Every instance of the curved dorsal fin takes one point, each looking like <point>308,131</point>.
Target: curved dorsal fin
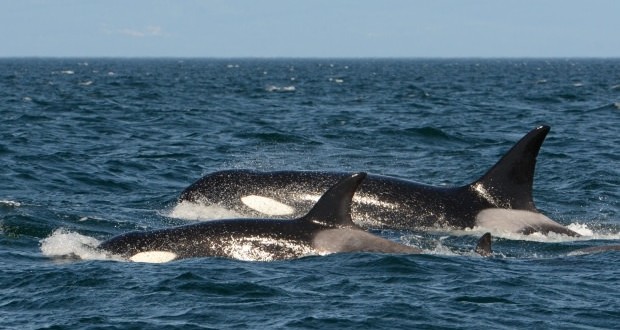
<point>483,247</point>
<point>508,184</point>
<point>334,208</point>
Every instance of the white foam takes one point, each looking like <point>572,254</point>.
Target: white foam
<point>582,229</point>
<point>197,211</point>
<point>10,203</point>
<point>438,248</point>
<point>441,249</point>
<point>273,88</point>
<point>63,243</point>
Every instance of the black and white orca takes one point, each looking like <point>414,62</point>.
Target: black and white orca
<point>326,228</point>
<point>485,249</point>
<point>595,249</point>
<point>484,246</point>
<point>499,201</point>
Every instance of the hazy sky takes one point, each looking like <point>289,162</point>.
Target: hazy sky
<point>305,28</point>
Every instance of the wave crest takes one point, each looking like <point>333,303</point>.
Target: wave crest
<point>66,244</point>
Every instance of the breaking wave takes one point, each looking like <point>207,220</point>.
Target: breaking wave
<point>65,244</point>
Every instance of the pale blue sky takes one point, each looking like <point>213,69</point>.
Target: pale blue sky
<point>304,28</point>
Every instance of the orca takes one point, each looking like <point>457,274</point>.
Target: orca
<point>595,249</point>
<point>484,248</point>
<point>500,201</point>
<point>326,228</point>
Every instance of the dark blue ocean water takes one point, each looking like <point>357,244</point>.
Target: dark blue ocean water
<point>91,148</point>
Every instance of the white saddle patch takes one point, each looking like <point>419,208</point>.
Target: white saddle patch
<point>153,257</point>
<point>267,205</point>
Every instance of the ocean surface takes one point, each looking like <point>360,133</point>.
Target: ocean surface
<point>91,148</point>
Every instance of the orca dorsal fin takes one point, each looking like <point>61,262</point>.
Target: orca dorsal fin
<point>483,247</point>
<point>508,184</point>
<point>334,208</point>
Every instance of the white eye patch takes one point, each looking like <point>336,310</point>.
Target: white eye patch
<point>153,257</point>
<point>266,205</point>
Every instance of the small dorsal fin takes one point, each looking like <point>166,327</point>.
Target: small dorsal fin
<point>483,247</point>
<point>334,208</point>
<point>509,182</point>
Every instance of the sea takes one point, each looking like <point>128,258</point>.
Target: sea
<point>94,147</point>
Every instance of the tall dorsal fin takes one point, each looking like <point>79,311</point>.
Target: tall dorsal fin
<point>508,184</point>
<point>483,247</point>
<point>334,208</point>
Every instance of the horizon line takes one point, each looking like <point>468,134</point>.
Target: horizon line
<point>315,57</point>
